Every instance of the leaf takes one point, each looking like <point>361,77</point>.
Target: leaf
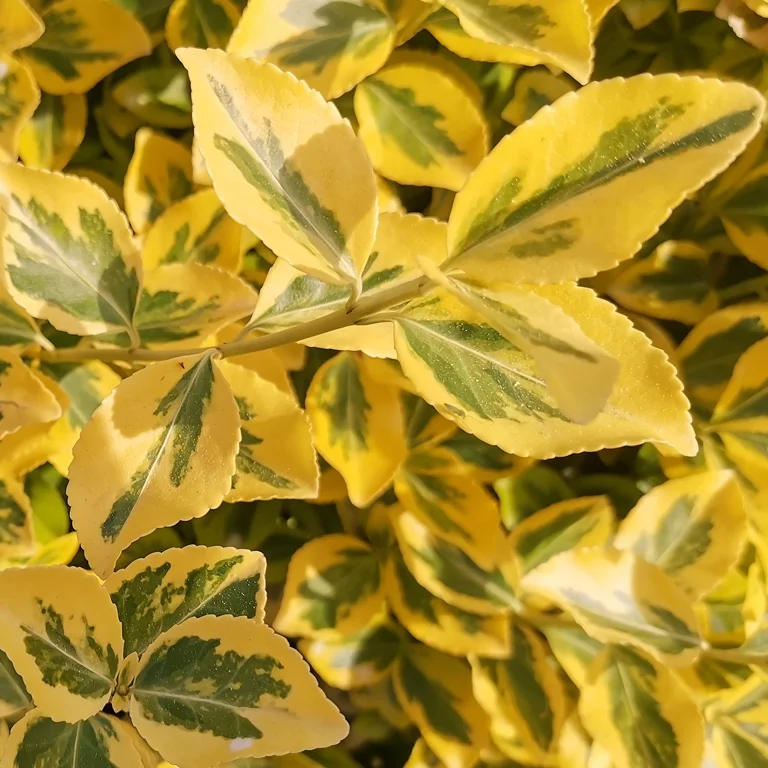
<point>438,624</point>
<point>16,531</point>
<point>158,592</point>
<point>69,255</point>
<point>24,398</point>
<point>289,298</point>
<point>284,168</point>
<point>54,133</point>
<point>534,89</point>
<point>159,96</point>
<point>475,377</point>
<point>196,230</point>
<point>101,740</point>
<point>357,425</point>
<point>710,351</point>
<point>19,96</point>
<point>17,328</point>
<point>62,635</point>
<point>561,352</point>
<point>740,417</point>
<point>354,661</point>
<point>333,588</point>
<point>574,650</point>
<point>19,27</point>
<point>693,528</point>
<point>420,126</point>
<point>476,579</point>
<point>553,32</point>
<point>151,13</point>
<point>523,494</point>
<point>739,733</point>
<point>83,42</point>
<point>635,709</point>
<point>249,695</point>
<point>673,283</point>
<point>617,597</point>
<point>525,690</point>
<point>201,23</point>
<point>143,460</point>
<point>14,698</point>
<point>276,456</point>
<point>561,527</point>
<point>331,44</point>
<point>524,218</point>
<point>60,551</point>
<point>435,690</point>
<point>160,174</point>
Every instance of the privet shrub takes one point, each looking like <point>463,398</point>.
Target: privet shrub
<point>341,299</point>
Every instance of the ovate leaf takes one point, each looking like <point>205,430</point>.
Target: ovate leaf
<point>333,587</point>
<point>69,255</point>
<point>617,597</point>
<point>331,44</point>
<point>83,41</point>
<point>201,23</point>
<point>19,96</point>
<point>525,218</point>
<point>158,592</point>
<point>420,126</point>
<point>62,635</point>
<point>247,695</point>
<point>14,697</point>
<point>276,456</point>
<point>143,460</point>
<point>357,425</point>
<point>24,398</point>
<point>435,690</point>
<point>102,740</point>
<point>19,27</point>
<point>284,168</point>
<point>693,528</point>
<point>640,713</point>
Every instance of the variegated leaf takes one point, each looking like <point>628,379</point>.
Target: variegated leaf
<point>248,694</point>
<point>68,253</point>
<point>159,96</point>
<point>24,398</point>
<point>333,587</point>
<point>62,635</point>
<point>14,697</point>
<point>284,168</point>
<point>534,89</point>
<point>332,44</point>
<point>201,23</point>
<point>158,592</point>
<point>143,460</point>
<point>17,537</point>
<point>574,650</point>
<point>617,597</point>
<point>692,528</point>
<point>19,97</point>
<point>19,27</point>
<point>524,218</point>
<point>17,328</point>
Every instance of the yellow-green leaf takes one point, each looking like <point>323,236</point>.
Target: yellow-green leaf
<point>331,44</point>
<point>490,388</point>
<point>555,32</point>
<point>159,96</point>
<point>354,661</point>
<point>197,230</point>
<point>438,624</point>
<point>68,252</point>
<point>333,588</point>
<point>619,598</point>
<point>201,23</point>
<point>14,697</point>
<point>641,13</point>
<point>289,297</point>
<point>159,174</point>
<point>534,89</point>
<point>53,134</point>
<point>17,328</point>
<point>158,592</point>
<point>19,96</point>
<point>62,634</point>
<point>637,711</point>
<point>144,460</point>
<point>24,398</point>
<point>83,42</point>
<point>38,741</point>
<point>357,425</point>
<point>420,126</point>
<point>526,690</point>
<point>60,551</point>
<point>16,531</point>
<point>20,26</point>
<point>574,650</point>
<point>284,166</point>
<point>475,578</point>
<point>530,213</point>
<point>435,691</point>
<point>249,694</point>
<point>692,528</point>
<point>563,526</point>
<point>276,457</point>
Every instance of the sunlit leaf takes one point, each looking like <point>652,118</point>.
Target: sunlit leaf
<point>24,398</point>
<point>19,27</point>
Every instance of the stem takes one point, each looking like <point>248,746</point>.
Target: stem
<point>342,318</point>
